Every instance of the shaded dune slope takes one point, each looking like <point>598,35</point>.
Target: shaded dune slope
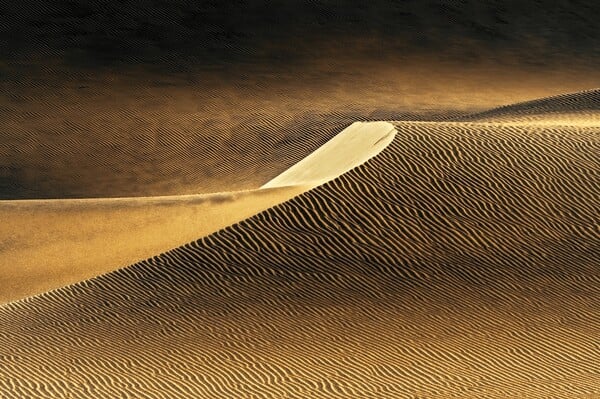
<point>462,261</point>
<point>579,107</point>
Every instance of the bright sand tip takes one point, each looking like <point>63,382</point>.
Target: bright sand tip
<point>47,244</point>
<point>354,146</point>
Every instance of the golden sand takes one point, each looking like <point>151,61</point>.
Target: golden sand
<point>459,262</point>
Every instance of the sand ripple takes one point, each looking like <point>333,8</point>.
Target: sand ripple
<point>460,262</point>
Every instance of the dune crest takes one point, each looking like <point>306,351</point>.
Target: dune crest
<point>47,244</point>
<point>352,147</point>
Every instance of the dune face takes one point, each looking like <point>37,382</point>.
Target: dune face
<point>53,243</point>
<point>461,261</point>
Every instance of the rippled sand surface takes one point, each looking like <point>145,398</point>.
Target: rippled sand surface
<point>462,261</point>
<point>48,244</point>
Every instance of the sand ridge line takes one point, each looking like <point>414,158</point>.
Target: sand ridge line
<point>47,244</point>
<point>354,146</point>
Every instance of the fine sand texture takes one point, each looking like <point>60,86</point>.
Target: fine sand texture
<point>572,109</point>
<point>46,244</point>
<point>460,262</point>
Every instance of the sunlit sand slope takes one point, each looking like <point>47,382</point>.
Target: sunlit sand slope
<point>462,261</point>
<point>356,144</point>
<point>48,244</point>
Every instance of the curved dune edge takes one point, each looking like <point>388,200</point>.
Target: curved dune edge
<point>48,244</point>
<point>352,147</point>
<point>580,109</point>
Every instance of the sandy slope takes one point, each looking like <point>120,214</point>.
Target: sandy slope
<point>460,262</point>
<point>351,147</point>
<point>46,244</point>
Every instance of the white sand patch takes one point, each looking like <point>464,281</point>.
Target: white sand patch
<point>354,146</point>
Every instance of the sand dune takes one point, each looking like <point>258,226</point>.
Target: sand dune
<point>48,244</point>
<point>576,109</point>
<point>461,261</point>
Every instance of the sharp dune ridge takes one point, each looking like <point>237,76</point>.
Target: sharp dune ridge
<point>41,250</point>
<point>459,262</point>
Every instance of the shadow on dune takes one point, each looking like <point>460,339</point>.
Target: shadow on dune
<point>461,261</point>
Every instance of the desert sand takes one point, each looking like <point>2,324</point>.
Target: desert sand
<point>184,215</point>
<point>53,243</point>
<point>460,261</point>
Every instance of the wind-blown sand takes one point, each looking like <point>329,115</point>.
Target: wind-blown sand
<point>461,261</point>
<point>48,244</point>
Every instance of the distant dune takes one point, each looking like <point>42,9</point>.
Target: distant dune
<point>581,108</point>
<point>461,261</point>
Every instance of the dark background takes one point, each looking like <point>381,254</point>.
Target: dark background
<point>177,34</point>
<point>128,98</point>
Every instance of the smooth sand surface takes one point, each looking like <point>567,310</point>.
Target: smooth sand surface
<point>352,147</point>
<point>48,244</point>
